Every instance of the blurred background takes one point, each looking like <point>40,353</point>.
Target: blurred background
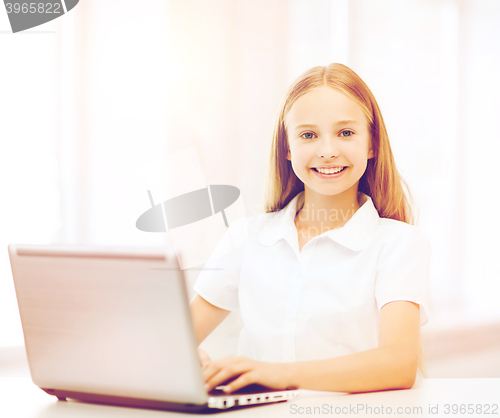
<point>92,103</point>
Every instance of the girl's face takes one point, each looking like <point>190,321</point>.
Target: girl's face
<point>327,131</point>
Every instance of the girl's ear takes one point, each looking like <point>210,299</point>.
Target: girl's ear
<point>288,156</point>
<point>371,154</point>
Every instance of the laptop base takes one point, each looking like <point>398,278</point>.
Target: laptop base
<point>62,395</point>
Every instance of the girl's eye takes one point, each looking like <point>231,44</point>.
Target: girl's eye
<point>307,135</point>
<point>347,136</point>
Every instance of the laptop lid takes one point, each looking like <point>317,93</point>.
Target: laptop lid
<point>107,320</point>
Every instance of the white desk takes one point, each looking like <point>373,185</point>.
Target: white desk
<point>19,397</point>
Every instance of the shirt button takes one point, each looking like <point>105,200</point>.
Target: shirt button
<point>289,316</point>
<point>289,358</point>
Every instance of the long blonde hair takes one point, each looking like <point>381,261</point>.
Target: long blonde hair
<point>381,181</point>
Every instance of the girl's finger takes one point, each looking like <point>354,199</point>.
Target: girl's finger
<point>214,367</point>
<point>211,370</point>
<point>217,379</point>
<point>203,356</point>
<point>226,373</point>
<point>205,362</point>
<point>244,380</point>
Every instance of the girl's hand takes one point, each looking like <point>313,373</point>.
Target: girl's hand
<point>205,359</point>
<point>272,375</point>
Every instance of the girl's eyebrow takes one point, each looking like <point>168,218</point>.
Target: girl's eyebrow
<point>347,122</point>
<point>340,122</point>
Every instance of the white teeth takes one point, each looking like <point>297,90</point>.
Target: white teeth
<point>329,170</point>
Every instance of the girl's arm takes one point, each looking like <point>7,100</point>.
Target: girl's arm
<point>206,317</point>
<point>392,365</point>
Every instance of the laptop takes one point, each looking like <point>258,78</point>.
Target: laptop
<point>112,325</point>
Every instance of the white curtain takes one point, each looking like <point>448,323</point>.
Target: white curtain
<point>93,106</point>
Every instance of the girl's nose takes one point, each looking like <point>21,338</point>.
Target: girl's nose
<point>328,148</point>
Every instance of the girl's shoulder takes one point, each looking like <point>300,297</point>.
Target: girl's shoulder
<point>388,225</point>
<point>392,226</point>
<point>393,233</point>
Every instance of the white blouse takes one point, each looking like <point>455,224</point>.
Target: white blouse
<point>325,300</point>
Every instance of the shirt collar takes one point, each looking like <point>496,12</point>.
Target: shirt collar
<point>353,235</point>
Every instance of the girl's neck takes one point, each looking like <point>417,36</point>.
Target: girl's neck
<point>327,212</point>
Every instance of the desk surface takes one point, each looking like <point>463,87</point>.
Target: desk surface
<point>19,397</point>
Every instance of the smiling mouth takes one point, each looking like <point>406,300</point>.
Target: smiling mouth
<point>330,171</point>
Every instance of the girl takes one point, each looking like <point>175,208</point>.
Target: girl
<point>332,281</point>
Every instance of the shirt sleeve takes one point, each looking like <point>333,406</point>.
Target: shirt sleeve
<point>403,271</point>
<point>218,281</point>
